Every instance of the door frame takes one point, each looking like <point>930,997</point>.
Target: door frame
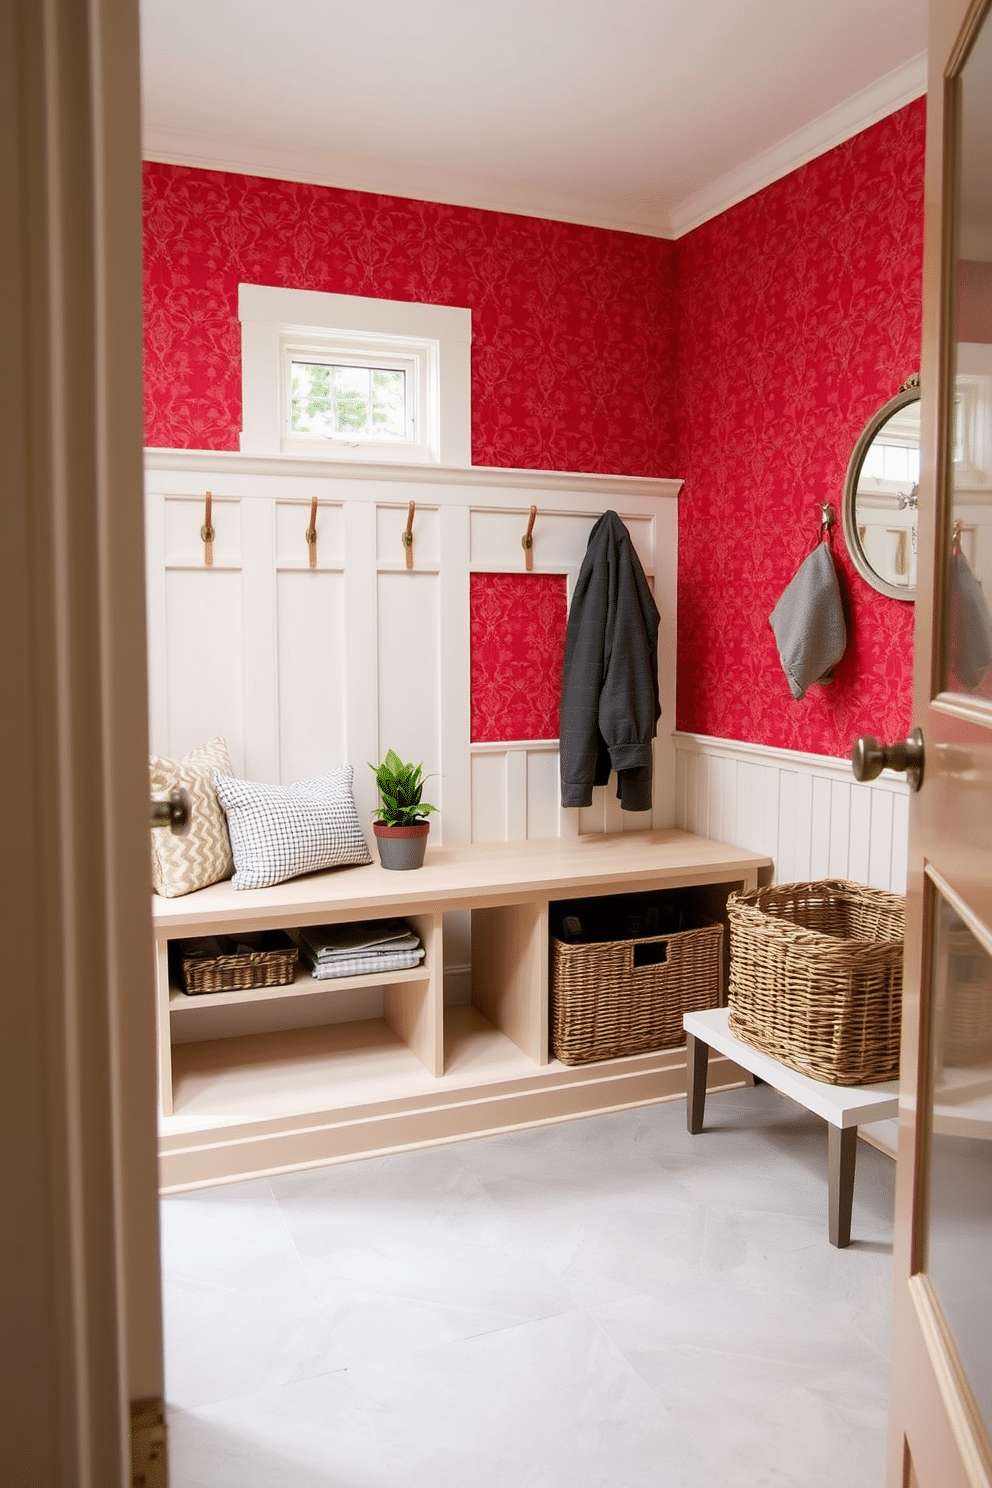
<point>82,1307</point>
<point>935,1433</point>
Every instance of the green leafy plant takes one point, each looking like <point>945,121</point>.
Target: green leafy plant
<point>400,788</point>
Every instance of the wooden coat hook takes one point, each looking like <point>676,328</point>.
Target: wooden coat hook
<point>408,534</point>
<point>527,541</point>
<point>311,533</point>
<point>207,530</point>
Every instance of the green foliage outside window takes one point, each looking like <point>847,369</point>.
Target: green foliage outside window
<point>328,400</point>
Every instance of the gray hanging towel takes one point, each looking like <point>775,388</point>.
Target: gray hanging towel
<point>808,622</point>
<point>971,625</point>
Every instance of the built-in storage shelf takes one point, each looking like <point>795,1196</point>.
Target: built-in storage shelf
<point>265,1101</point>
<point>305,985</point>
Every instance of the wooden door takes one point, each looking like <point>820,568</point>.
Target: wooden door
<point>941,1395</point>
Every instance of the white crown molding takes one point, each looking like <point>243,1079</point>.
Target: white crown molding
<point>838,124</point>
<point>427,183</point>
<point>394,178</point>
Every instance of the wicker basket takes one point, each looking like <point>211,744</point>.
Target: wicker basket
<point>616,997</point>
<point>816,978</point>
<point>227,963</point>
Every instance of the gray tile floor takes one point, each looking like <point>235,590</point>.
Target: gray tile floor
<point>608,1303</point>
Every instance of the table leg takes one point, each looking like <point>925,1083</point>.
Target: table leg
<point>842,1151</point>
<point>697,1058</point>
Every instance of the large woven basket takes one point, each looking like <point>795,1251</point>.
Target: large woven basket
<point>225,963</point>
<point>816,977</point>
<point>610,998</point>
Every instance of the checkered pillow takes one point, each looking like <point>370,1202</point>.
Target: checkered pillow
<point>279,831</point>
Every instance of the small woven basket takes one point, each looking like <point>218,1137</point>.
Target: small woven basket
<point>616,997</point>
<point>227,963</point>
<point>816,978</point>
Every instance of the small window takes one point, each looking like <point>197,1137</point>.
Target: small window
<point>338,400</point>
<point>342,377</point>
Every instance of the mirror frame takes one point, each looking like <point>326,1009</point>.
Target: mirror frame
<point>908,393</point>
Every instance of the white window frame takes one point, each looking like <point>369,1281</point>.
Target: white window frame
<point>434,341</point>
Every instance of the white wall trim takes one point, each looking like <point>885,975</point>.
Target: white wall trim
<point>225,463</point>
<point>435,340</point>
<point>838,124</point>
<point>806,811</point>
<point>839,766</point>
<point>430,183</point>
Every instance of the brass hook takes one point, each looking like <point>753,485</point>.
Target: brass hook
<point>408,534</point>
<point>207,530</point>
<point>827,519</point>
<point>527,541</point>
<point>311,533</point>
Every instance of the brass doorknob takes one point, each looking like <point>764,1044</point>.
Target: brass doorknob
<point>869,758</point>
<point>174,813</point>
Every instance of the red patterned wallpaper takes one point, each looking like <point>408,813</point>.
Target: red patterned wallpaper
<point>784,323</point>
<point>800,314</point>
<point>573,357</point>
<point>518,648</point>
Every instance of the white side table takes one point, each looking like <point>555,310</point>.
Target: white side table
<point>842,1107</point>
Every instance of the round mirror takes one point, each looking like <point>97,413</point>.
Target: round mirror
<point>880,505</point>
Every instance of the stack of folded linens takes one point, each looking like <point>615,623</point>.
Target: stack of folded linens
<point>359,949</point>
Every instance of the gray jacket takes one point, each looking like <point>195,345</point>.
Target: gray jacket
<point>609,696</point>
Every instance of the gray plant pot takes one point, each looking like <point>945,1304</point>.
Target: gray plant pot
<point>401,847</point>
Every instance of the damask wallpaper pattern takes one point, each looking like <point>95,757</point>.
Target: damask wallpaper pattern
<point>800,314</point>
<point>746,358</point>
<point>518,649</point>
<point>573,356</point>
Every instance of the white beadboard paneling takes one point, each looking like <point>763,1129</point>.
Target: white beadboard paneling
<point>409,661</point>
<point>204,660</point>
<point>819,848</point>
<point>542,793</point>
<point>785,856</point>
<point>805,811</point>
<point>900,838</point>
<point>802,826</point>
<point>489,797</point>
<point>183,520</point>
<point>516,795</point>
<point>859,851</point>
<point>839,859</point>
<point>880,840</point>
<point>390,525</point>
<point>311,631</point>
<point>292,521</point>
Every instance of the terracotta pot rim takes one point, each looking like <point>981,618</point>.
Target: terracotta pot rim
<point>416,829</point>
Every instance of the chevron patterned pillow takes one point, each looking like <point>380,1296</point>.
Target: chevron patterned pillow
<point>280,831</point>
<point>181,865</point>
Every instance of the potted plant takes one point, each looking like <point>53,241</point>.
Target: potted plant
<point>400,824</point>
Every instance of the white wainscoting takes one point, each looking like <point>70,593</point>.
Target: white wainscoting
<point>305,668</point>
<point>806,811</point>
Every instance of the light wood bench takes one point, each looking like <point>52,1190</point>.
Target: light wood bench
<point>242,1095</point>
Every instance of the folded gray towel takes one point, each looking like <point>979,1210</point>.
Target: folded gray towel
<point>808,622</point>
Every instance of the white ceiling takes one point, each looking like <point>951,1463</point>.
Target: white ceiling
<point>647,115</point>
